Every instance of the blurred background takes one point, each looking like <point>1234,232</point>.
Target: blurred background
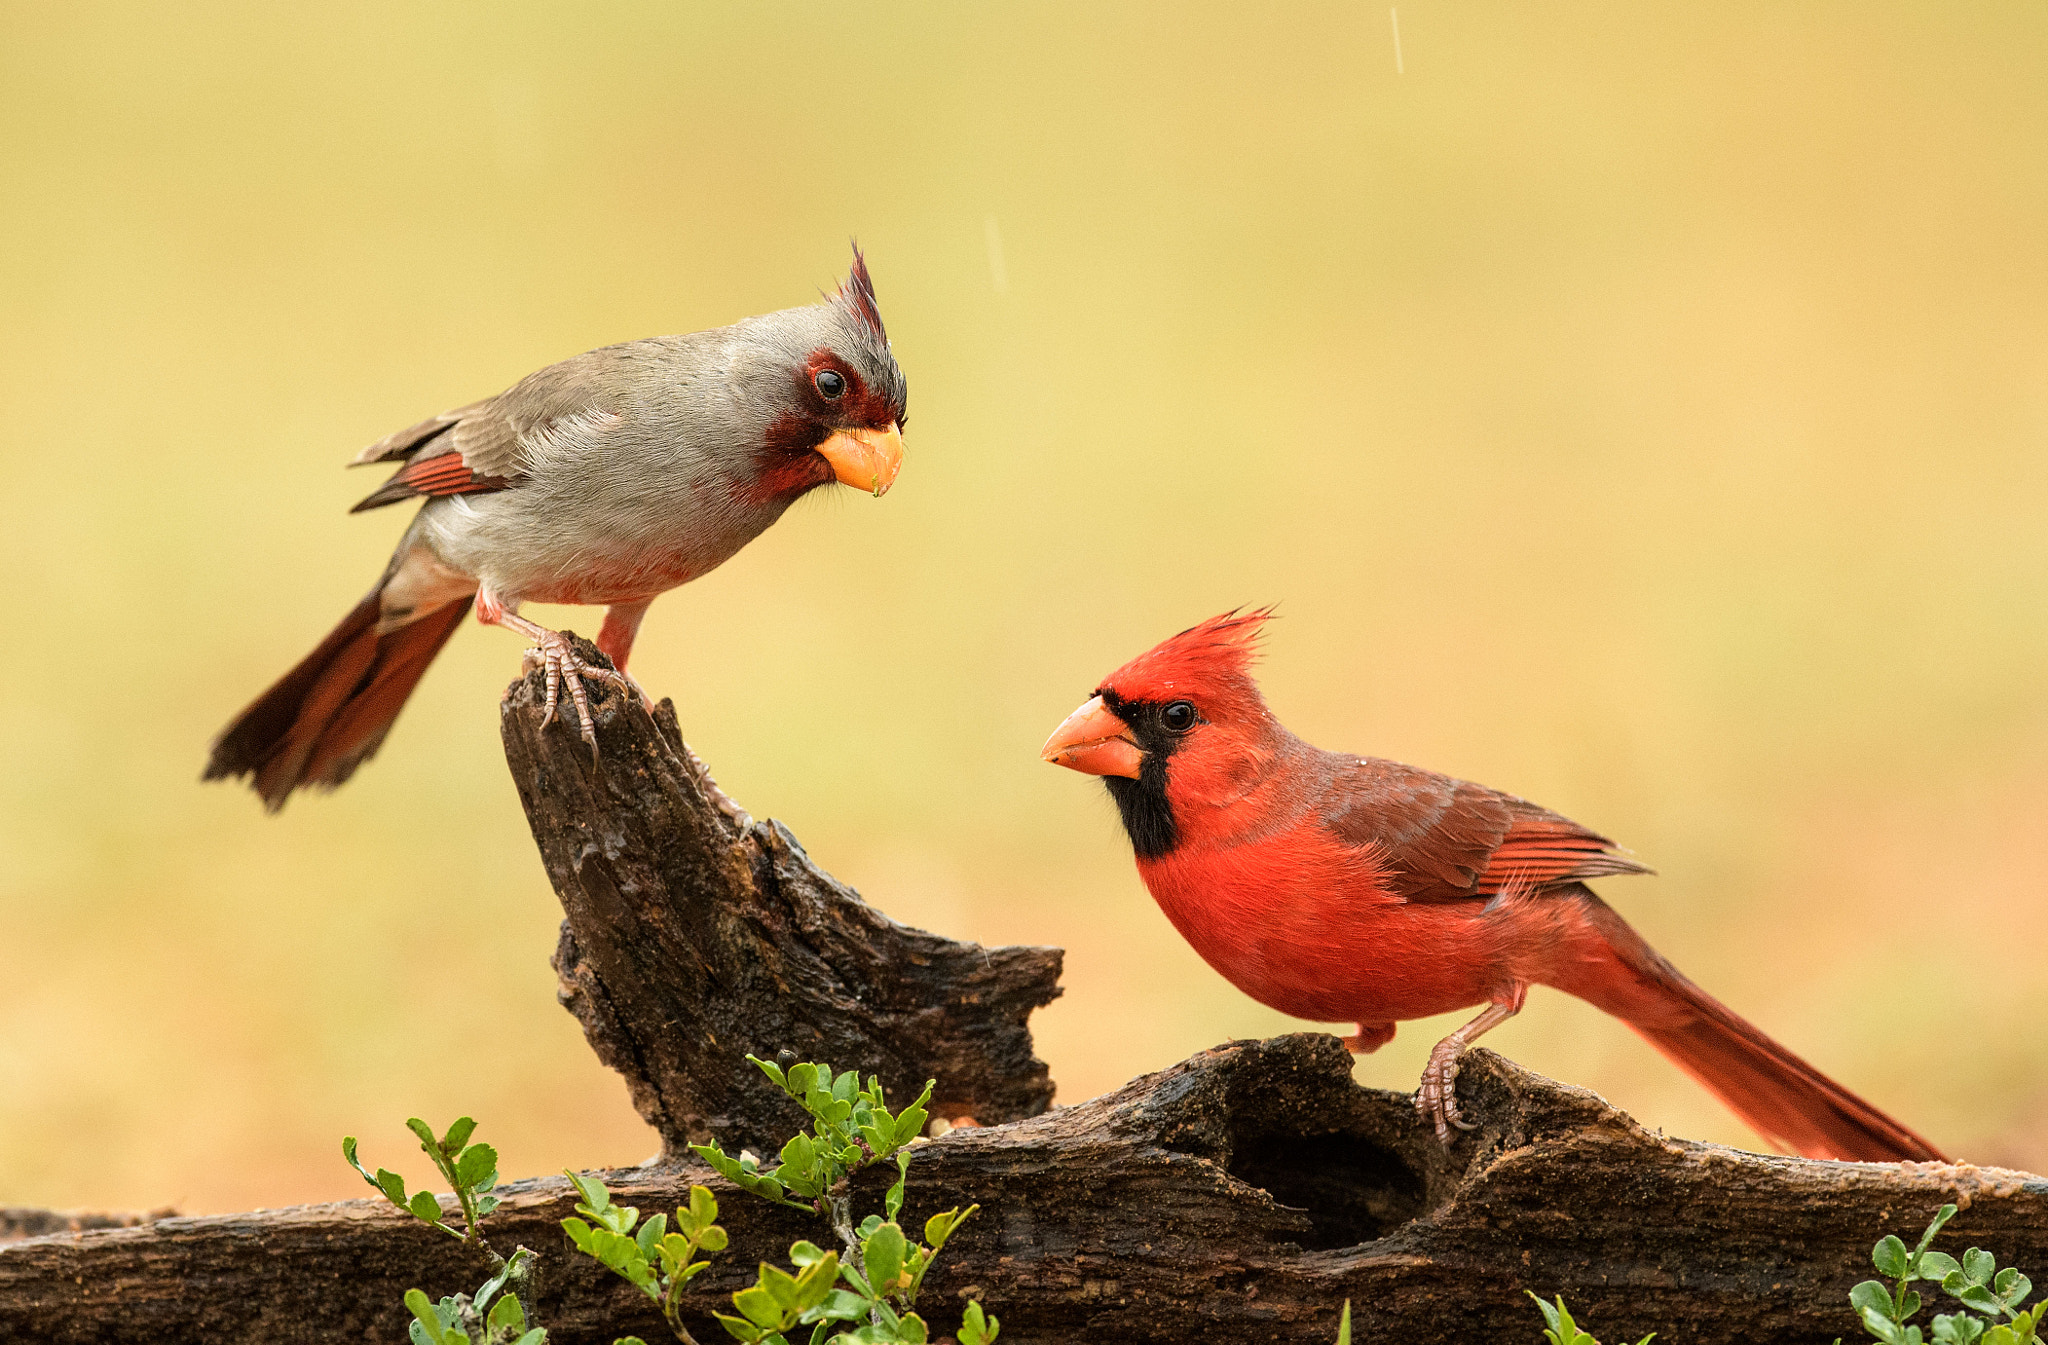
<point>1639,410</point>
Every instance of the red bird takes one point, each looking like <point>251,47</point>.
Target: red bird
<point>1349,889</point>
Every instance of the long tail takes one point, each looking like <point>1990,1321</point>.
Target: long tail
<point>328,715</point>
<point>1786,1100</point>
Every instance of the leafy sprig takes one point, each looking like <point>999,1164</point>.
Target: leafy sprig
<point>1975,1281</point>
<point>471,1170</point>
<point>467,1320</point>
<point>658,1261</point>
<point>875,1277</point>
<point>1560,1329</point>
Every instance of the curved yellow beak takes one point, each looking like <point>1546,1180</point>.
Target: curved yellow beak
<point>866,459</point>
<point>1094,741</point>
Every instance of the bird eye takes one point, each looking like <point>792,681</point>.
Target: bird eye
<point>830,383</point>
<point>1179,716</point>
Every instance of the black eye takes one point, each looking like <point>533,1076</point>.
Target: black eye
<point>1179,716</point>
<point>830,383</point>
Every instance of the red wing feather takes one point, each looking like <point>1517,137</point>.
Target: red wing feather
<point>442,474</point>
<point>1542,848</point>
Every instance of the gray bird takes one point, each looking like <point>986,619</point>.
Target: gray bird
<point>607,479</point>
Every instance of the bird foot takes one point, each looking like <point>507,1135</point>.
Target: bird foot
<point>554,654</point>
<point>1437,1096</point>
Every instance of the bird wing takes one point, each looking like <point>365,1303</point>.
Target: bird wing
<point>489,445</point>
<point>1441,839</point>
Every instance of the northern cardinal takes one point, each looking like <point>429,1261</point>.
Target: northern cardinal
<point>1343,888</point>
<point>607,479</point>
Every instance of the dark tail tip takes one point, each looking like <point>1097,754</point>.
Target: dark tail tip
<point>330,713</point>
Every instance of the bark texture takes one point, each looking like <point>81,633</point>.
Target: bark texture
<point>696,936</point>
<point>1242,1195</point>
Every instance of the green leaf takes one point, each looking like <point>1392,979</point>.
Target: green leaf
<point>739,1328</point>
<point>458,1135</point>
<point>497,1281</point>
<point>1871,1294</point>
<point>758,1305</point>
<point>1941,1216</point>
<point>893,1202</point>
<point>429,1320</point>
<point>392,1185</point>
<point>1889,1256</point>
<point>348,1151</point>
<point>478,1162</point>
<point>882,1254</point>
<point>703,1207</point>
<point>942,1226</point>
<point>801,1079</point>
<point>1343,1325</point>
<point>485,1204</point>
<point>805,1254</point>
<point>425,1208</point>
<point>1979,1265</point>
<point>591,1189</point>
<point>539,1336</point>
<point>771,1069</point>
<point>1979,1297</point>
<point>911,1330</point>
<point>845,1086</point>
<point>2012,1287</point>
<point>507,1314</point>
<point>978,1328</point>
<point>1936,1266</point>
<point>841,1306</point>
<point>650,1234</point>
<point>424,1131</point>
<point>712,1239</point>
<point>1958,1329</point>
<point>780,1284</point>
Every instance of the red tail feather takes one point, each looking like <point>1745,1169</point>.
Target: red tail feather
<point>329,714</point>
<point>1786,1100</point>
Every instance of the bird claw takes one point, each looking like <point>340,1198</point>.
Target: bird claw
<point>1437,1095</point>
<point>554,654</point>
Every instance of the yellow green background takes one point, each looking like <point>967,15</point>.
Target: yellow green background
<point>1638,408</point>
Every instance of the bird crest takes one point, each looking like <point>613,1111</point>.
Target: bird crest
<point>857,296</point>
<point>1215,656</point>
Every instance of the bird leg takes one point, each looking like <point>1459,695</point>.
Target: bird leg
<point>553,652</point>
<point>1370,1037</point>
<point>1437,1096</point>
<point>615,638</point>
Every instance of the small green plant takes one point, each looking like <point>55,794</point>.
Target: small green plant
<point>1560,1329</point>
<point>873,1279</point>
<point>1975,1281</point>
<point>471,1169</point>
<point>475,1320</point>
<point>658,1262</point>
<point>1344,1325</point>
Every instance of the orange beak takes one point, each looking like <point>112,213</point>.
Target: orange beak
<point>1094,741</point>
<point>866,459</point>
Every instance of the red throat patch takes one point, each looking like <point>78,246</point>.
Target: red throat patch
<point>1213,658</point>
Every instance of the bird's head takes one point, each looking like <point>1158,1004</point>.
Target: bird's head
<point>1176,731</point>
<point>836,396</point>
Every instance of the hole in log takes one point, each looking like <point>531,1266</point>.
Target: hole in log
<point>1352,1189</point>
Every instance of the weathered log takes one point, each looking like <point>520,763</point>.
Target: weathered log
<point>696,936</point>
<point>1241,1195</point>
